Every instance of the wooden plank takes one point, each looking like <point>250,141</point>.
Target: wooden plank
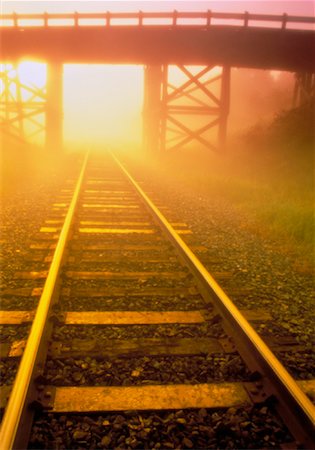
<point>132,317</point>
<point>183,231</point>
<point>156,397</point>
<point>141,238</point>
<point>125,223</point>
<point>121,275</point>
<point>198,248</point>
<point>36,257</point>
<point>15,317</point>
<point>129,292</point>
<point>134,348</point>
<point>84,246</point>
<point>37,291</point>
<point>256,315</point>
<point>47,237</point>
<point>60,205</point>
<point>32,275</point>
<point>49,229</point>
<point>92,257</point>
<point>105,191</point>
<point>117,223</point>
<point>17,292</point>
<point>43,246</point>
<point>282,343</point>
<point>116,231</point>
<point>113,213</point>
<point>102,181</point>
<point>89,198</point>
<point>129,317</point>
<point>109,206</point>
<point>104,201</point>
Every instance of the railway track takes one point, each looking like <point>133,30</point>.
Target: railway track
<point>129,320</point>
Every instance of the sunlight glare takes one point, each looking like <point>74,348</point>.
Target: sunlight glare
<point>32,73</point>
<point>102,103</point>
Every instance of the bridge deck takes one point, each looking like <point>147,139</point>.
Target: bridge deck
<point>197,41</point>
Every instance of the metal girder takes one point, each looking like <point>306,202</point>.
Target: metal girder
<point>22,106</point>
<point>54,109</point>
<point>192,110</point>
<point>28,110</point>
<point>304,88</point>
<point>152,108</point>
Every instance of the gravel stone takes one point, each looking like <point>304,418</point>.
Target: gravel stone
<point>90,332</point>
<point>236,428</point>
<point>129,303</point>
<point>146,370</point>
<point>269,266</point>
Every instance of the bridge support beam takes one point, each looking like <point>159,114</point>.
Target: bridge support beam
<point>304,88</point>
<point>22,105</point>
<point>152,108</point>
<point>192,110</point>
<point>54,110</point>
<point>224,107</point>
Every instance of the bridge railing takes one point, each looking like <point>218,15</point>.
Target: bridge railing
<point>168,19</point>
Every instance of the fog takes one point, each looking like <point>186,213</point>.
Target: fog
<point>109,107</point>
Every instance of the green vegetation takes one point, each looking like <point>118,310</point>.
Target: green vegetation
<point>283,191</point>
<point>266,174</point>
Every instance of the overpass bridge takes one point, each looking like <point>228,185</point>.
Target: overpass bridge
<point>156,41</point>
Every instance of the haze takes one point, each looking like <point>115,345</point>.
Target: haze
<point>103,103</point>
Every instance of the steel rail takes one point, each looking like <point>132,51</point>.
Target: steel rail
<point>302,408</point>
<point>18,397</point>
<point>173,16</point>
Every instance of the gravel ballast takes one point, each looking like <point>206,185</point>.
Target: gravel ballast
<point>271,268</point>
<point>146,370</point>
<point>235,428</point>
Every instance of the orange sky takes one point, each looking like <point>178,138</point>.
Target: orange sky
<point>104,103</point>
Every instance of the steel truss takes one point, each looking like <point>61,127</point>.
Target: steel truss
<point>196,110</point>
<point>304,89</point>
<point>175,114</point>
<point>22,106</point>
<point>195,97</point>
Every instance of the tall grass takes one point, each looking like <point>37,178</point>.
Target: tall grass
<point>270,179</point>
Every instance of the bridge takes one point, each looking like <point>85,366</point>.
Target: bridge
<point>156,41</point>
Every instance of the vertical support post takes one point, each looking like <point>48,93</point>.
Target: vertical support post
<point>224,107</point>
<point>19,104</point>
<point>6,87</point>
<point>152,108</point>
<point>164,108</point>
<point>54,110</point>
<point>304,89</point>
<point>295,92</point>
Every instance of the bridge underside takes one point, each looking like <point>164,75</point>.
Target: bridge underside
<point>250,47</point>
<point>173,115</point>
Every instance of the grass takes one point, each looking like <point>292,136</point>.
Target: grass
<point>268,179</point>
